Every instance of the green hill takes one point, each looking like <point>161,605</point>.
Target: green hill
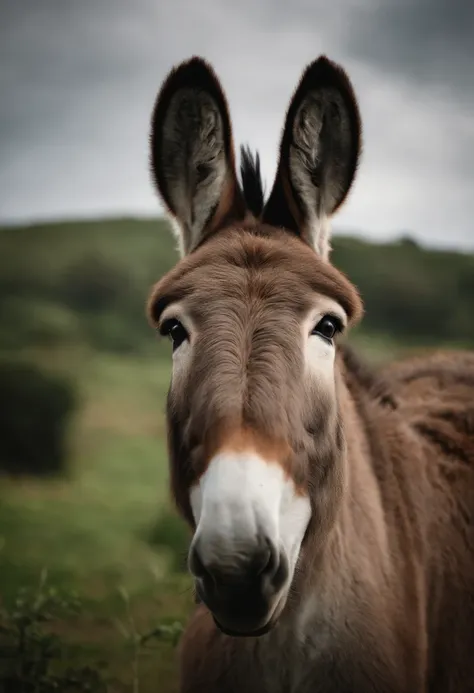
<point>90,280</point>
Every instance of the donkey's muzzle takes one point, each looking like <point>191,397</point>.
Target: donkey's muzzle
<point>241,589</point>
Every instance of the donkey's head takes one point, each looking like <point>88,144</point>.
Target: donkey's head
<point>253,310</point>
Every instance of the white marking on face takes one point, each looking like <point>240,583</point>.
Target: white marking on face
<point>242,497</point>
<point>182,355</point>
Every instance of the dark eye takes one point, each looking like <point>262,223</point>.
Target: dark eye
<point>173,329</point>
<point>328,327</point>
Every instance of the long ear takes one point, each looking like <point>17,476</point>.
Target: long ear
<point>192,154</point>
<point>319,152</point>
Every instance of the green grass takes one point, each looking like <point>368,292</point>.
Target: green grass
<point>92,531</point>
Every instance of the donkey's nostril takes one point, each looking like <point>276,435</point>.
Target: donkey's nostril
<point>267,561</point>
<point>275,572</point>
<point>239,582</point>
<point>255,565</point>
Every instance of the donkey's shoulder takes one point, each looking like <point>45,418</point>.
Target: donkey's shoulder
<point>436,396</point>
<point>436,379</point>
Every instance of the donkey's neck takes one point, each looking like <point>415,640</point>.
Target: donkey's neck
<point>338,582</point>
<point>355,551</point>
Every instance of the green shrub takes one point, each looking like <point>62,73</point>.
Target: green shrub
<point>112,332</point>
<point>28,322</point>
<point>36,408</point>
<point>93,284</point>
<point>31,655</point>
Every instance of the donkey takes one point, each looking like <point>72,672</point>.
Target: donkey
<point>331,507</point>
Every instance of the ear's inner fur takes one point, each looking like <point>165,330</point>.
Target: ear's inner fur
<point>320,140</point>
<point>194,159</point>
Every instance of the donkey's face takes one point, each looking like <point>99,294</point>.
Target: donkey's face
<point>253,311</point>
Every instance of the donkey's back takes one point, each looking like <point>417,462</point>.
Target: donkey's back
<point>436,397</point>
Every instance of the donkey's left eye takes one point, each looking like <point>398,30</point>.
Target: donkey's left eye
<point>328,327</point>
<point>173,329</point>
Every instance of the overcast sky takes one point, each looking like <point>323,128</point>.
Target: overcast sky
<point>78,79</point>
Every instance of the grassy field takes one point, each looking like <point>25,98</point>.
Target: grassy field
<point>105,530</point>
<point>95,532</point>
<point>72,302</point>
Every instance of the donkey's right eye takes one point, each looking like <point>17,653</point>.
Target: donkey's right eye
<point>173,329</point>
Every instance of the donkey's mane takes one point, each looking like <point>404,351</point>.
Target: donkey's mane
<point>361,378</point>
<point>252,182</point>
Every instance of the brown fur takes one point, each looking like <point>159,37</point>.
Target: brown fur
<point>242,281</point>
<point>383,595</point>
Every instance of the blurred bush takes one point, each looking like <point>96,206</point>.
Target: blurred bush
<point>93,284</point>
<point>36,321</point>
<point>36,409</point>
<point>414,294</point>
<point>81,283</point>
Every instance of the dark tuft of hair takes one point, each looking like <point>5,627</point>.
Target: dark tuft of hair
<point>252,183</point>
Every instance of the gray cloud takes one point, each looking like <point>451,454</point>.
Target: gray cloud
<point>78,81</point>
<point>428,42</point>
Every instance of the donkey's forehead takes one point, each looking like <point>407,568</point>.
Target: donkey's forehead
<point>271,263</point>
